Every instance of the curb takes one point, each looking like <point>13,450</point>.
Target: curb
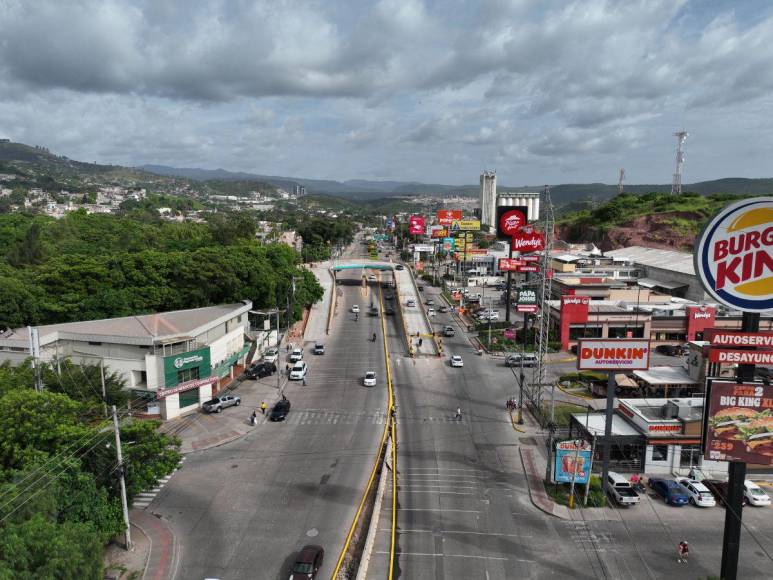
<point>531,492</point>
<point>567,393</point>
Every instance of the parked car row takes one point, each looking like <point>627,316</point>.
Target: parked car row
<point>683,490</point>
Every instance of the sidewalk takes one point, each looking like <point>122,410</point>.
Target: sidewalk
<point>535,465</point>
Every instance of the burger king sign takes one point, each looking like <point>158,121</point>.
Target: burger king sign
<point>733,255</point>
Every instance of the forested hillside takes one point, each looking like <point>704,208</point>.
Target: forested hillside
<point>101,266</point>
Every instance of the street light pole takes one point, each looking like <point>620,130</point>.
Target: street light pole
<point>124,503</point>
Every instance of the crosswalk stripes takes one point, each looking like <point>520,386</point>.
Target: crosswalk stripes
<point>329,417</point>
<point>144,499</point>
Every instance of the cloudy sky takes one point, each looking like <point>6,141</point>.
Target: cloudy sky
<point>429,90</point>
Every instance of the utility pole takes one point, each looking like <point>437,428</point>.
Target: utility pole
<point>34,341</point>
<point>121,471</point>
<point>620,182</point>
<point>676,185</point>
<point>102,378</point>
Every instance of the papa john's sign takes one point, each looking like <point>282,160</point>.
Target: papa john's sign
<point>613,354</point>
<point>733,256</point>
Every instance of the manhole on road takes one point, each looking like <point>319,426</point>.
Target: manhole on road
<point>312,533</point>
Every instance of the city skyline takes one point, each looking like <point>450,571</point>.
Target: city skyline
<point>396,90</point>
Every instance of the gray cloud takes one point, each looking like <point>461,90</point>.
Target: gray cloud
<point>360,90</point>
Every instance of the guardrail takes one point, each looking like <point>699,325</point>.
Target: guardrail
<point>333,298</point>
<point>349,549</point>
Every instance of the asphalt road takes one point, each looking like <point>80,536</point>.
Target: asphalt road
<point>463,505</point>
<point>242,510</point>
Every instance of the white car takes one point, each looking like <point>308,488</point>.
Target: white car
<point>754,494</point>
<point>456,361</point>
<point>271,355</point>
<point>699,494</point>
<point>298,371</point>
<point>430,312</point>
<point>296,355</point>
<point>410,303</point>
<point>370,379</point>
<point>356,308</point>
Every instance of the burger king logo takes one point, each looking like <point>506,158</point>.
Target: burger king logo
<point>733,255</point>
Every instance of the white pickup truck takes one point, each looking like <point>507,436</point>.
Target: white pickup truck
<point>621,490</point>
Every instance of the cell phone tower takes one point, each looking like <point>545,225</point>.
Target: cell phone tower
<point>676,186</point>
<point>620,182</point>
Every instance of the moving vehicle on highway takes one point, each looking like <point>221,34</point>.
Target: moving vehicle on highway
<point>271,355</point>
<point>389,311</point>
<point>369,380</point>
<point>443,309</point>
<point>673,493</point>
<point>529,359</point>
<point>699,494</point>
<point>319,348</point>
<point>399,267</point>
<point>217,404</point>
<point>430,311</point>
<point>448,331</point>
<point>430,302</point>
<point>260,369</point>
<point>355,308</point>
<point>298,371</point>
<point>307,563</point>
<point>410,303</point>
<point>456,361</point>
<point>296,355</point>
<point>621,490</point>
<point>280,411</point>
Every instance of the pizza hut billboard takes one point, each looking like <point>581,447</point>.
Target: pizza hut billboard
<point>739,423</point>
<point>604,354</point>
<point>734,255</point>
<point>416,224</point>
<point>510,220</point>
<point>527,240</point>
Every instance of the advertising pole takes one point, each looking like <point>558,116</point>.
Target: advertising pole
<point>574,473</point>
<point>607,430</point>
<point>509,283</point>
<point>590,467</point>
<point>736,470</point>
<point>523,376</point>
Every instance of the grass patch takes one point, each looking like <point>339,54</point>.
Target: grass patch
<point>563,412</point>
<point>559,493</point>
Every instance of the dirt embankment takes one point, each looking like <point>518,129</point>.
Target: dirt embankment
<point>669,231</point>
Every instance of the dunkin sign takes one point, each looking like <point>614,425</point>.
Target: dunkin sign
<point>733,256</point>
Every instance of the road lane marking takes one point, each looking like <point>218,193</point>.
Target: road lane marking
<point>400,553</point>
<point>436,492</point>
<point>405,531</point>
<point>438,510</point>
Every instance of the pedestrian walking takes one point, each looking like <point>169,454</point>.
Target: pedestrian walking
<point>304,381</point>
<point>254,418</point>
<point>684,551</point>
<point>458,413</point>
<point>287,347</point>
<point>287,369</point>
<point>263,407</point>
<point>421,341</point>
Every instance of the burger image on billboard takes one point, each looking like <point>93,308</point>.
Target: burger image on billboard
<point>733,256</point>
<point>726,423</point>
<point>758,434</point>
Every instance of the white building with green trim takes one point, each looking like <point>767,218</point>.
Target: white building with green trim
<point>173,360</point>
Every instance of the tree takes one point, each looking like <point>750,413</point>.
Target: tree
<point>29,250</point>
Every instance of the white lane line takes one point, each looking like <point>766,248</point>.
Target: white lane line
<point>434,555</point>
<point>411,470</point>
<point>404,486</point>
<point>441,479</point>
<point>404,531</point>
<point>436,491</point>
<point>438,510</point>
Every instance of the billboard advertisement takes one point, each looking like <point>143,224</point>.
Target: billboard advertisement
<point>741,357</point>
<point>527,239</point>
<point>449,244</point>
<point>416,224</point>
<point>438,232</point>
<point>734,255</point>
<point>465,225</point>
<point>528,268</point>
<point>423,248</point>
<point>571,462</point>
<point>719,337</point>
<point>510,219</point>
<point>446,216</point>
<point>603,354</point>
<point>739,423</point>
<point>509,264</point>
<point>195,359</point>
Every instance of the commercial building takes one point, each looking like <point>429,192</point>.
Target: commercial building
<point>658,435</point>
<point>173,360</point>
<point>488,198</point>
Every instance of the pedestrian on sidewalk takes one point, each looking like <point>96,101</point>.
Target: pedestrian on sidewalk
<point>287,369</point>
<point>254,418</point>
<point>263,407</point>
<point>684,551</point>
<point>458,414</point>
<point>304,380</point>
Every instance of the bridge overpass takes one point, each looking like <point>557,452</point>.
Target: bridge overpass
<point>361,264</point>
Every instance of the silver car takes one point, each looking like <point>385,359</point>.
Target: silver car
<point>217,404</point>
